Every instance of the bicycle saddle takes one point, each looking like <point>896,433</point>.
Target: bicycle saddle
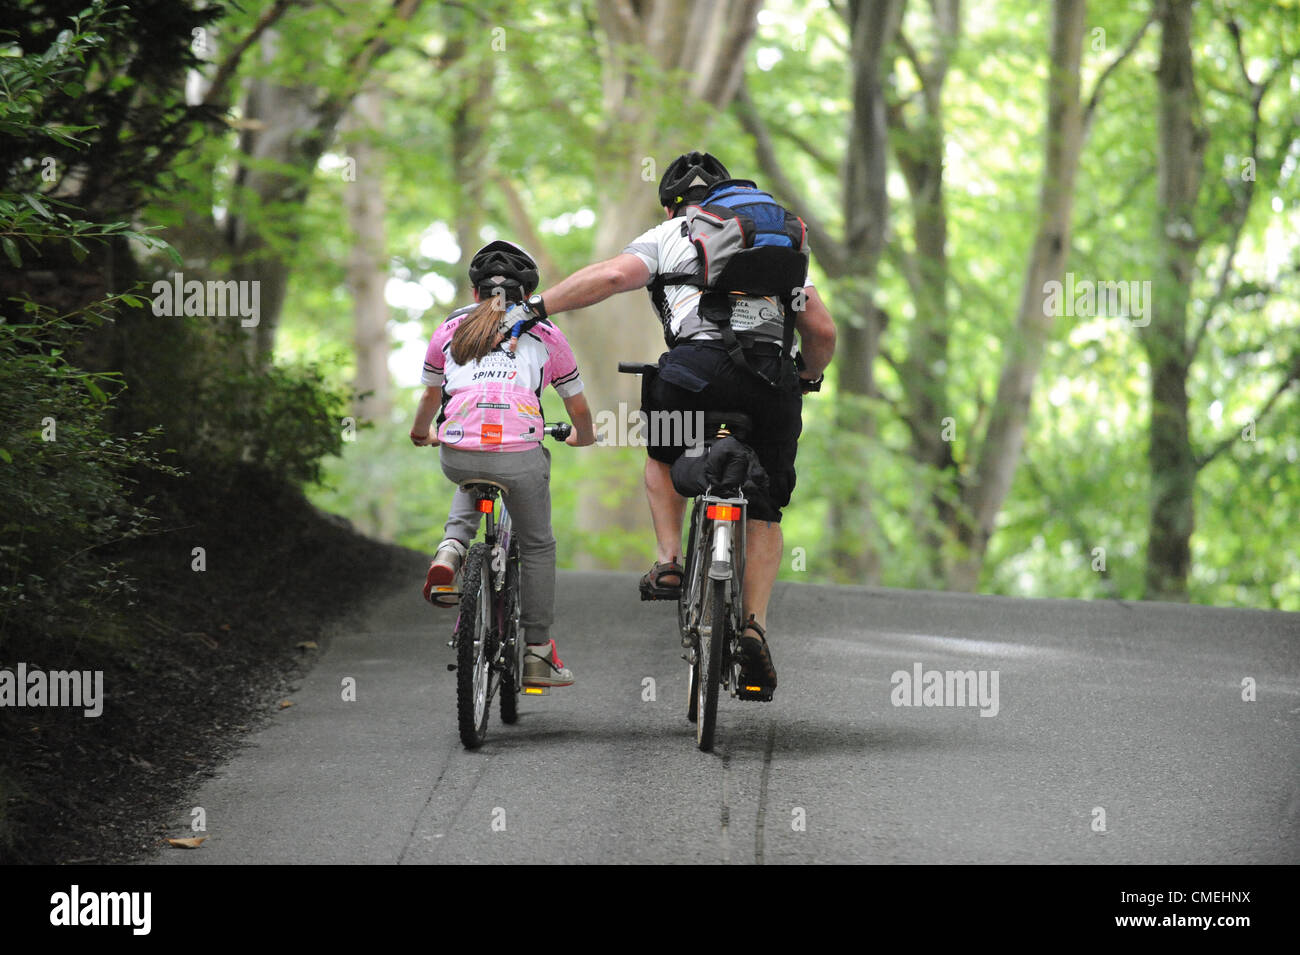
<point>470,484</point>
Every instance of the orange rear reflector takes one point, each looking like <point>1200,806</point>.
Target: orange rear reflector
<point>485,506</point>
<point>722,512</point>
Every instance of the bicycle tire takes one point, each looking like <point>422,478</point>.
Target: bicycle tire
<point>709,661</point>
<point>689,577</point>
<point>512,676</point>
<point>685,611</point>
<point>473,649</point>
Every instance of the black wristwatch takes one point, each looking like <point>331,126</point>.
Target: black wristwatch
<point>537,306</point>
<point>812,384</point>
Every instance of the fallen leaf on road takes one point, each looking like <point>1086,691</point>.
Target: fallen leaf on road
<point>193,843</point>
<point>307,645</point>
<point>285,703</point>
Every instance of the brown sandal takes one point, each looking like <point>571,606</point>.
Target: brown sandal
<point>653,587</point>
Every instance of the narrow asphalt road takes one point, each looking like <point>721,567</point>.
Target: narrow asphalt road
<point>1119,733</point>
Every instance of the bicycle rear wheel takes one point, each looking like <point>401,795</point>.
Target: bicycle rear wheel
<point>512,642</point>
<point>687,608</point>
<point>713,634</point>
<point>473,648</point>
<point>690,582</point>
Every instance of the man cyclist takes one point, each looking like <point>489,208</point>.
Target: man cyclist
<point>698,374</point>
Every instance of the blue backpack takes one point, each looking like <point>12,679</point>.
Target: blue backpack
<point>746,244</point>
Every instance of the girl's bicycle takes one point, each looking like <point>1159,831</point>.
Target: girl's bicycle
<point>487,638</point>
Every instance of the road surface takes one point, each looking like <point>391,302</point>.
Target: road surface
<point>1120,733</point>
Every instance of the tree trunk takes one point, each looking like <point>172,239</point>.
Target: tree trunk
<point>367,267</point>
<point>920,147</point>
<point>1181,150</point>
<point>282,141</point>
<point>999,453</point>
<point>705,40</point>
<point>473,92</point>
<point>872,26</point>
<point>367,275</point>
<point>286,129</point>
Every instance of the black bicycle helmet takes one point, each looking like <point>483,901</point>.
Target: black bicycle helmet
<point>688,177</point>
<point>502,264</point>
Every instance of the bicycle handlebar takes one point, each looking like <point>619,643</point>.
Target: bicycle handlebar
<point>559,431</point>
<point>635,368</point>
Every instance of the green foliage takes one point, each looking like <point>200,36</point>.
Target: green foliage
<point>65,493</point>
<point>215,404</point>
<point>93,110</point>
<point>70,445</point>
<point>1081,490</point>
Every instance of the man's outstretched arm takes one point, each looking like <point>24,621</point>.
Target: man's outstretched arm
<point>595,283</point>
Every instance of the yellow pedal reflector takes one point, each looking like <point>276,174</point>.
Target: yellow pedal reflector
<point>534,691</point>
<point>755,689</point>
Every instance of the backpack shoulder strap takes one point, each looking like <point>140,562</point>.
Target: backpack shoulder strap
<point>660,302</point>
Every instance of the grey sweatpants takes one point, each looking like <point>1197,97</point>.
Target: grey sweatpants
<point>528,476</point>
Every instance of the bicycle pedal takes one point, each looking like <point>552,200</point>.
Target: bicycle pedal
<point>534,691</point>
<point>650,592</point>
<point>444,597</point>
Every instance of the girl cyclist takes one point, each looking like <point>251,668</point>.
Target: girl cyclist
<point>491,427</point>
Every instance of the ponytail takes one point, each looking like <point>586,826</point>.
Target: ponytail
<point>478,334</point>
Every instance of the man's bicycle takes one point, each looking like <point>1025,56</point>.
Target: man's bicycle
<point>487,638</point>
<point>710,608</point>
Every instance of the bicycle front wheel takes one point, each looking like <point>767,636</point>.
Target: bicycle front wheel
<point>473,648</point>
<point>713,632</point>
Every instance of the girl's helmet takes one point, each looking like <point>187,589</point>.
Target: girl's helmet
<point>502,264</point>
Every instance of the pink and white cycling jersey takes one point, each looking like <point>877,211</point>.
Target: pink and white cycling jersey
<point>494,403</point>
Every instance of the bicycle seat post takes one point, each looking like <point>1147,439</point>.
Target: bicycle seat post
<point>487,507</point>
<point>486,492</point>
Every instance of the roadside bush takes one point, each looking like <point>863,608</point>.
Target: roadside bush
<point>65,492</point>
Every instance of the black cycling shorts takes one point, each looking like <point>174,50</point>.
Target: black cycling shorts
<point>701,376</point>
